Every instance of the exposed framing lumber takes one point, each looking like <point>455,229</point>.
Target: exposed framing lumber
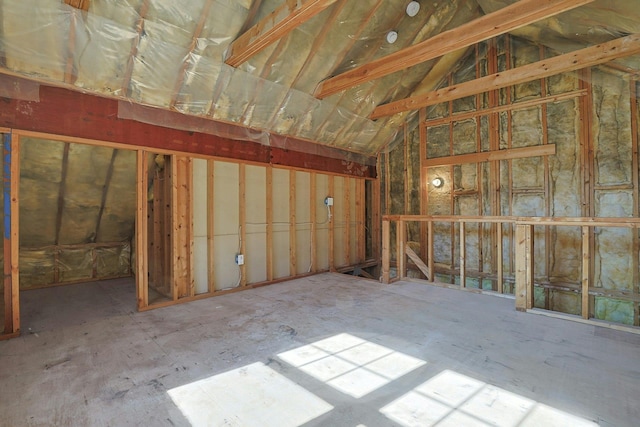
<point>401,242</point>
<point>14,253</point>
<point>292,224</point>
<point>142,253</point>
<point>242,220</point>
<point>463,255</point>
<point>635,165</point>
<point>273,27</point>
<point>331,228</point>
<point>386,252</point>
<point>194,41</point>
<point>418,262</point>
<point>346,195</point>
<point>490,156</point>
<point>509,18</point>
<point>269,217</point>
<point>211,247</point>
<point>583,58</point>
<point>360,222</point>
<point>586,271</point>
<point>79,4</point>
<point>313,218</point>
<point>524,265</point>
<point>144,9</point>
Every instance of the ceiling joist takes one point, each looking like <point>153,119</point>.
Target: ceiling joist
<point>583,58</point>
<point>273,27</point>
<point>519,14</point>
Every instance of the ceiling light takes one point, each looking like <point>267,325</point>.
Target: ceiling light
<point>392,36</point>
<point>412,8</point>
<point>437,182</point>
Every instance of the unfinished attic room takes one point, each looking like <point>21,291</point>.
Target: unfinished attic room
<point>320,213</point>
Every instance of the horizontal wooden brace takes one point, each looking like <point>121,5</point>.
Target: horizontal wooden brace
<point>489,156</point>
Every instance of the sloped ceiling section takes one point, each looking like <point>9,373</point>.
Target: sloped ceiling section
<point>171,55</point>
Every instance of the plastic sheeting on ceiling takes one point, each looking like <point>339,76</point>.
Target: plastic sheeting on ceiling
<point>170,55</point>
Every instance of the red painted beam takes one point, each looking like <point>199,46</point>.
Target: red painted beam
<point>69,113</point>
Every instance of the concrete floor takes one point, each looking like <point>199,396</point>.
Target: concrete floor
<point>330,350</point>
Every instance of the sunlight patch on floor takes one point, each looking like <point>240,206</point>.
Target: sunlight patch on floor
<point>350,364</point>
<point>254,395</point>
<point>453,399</point>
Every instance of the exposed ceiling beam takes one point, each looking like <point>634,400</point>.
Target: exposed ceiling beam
<point>79,4</point>
<point>579,59</point>
<point>273,27</point>
<point>519,14</point>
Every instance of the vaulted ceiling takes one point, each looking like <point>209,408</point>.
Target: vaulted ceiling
<point>315,70</point>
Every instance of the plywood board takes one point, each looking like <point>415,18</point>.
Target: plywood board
<point>200,250</point>
<point>256,224</point>
<point>226,224</point>
<point>280,223</point>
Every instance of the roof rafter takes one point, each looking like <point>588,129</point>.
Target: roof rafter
<point>273,27</point>
<point>519,14</point>
<point>583,58</point>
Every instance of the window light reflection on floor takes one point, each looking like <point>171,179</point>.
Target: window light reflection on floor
<point>254,395</point>
<point>350,364</point>
<point>453,399</point>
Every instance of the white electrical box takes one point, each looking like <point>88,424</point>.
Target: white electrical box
<point>239,259</point>
<point>328,201</point>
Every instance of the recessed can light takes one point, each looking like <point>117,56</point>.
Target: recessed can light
<point>392,36</point>
<point>413,8</point>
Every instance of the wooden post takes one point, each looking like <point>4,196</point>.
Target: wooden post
<point>524,267</point>
<point>347,218</point>
<point>15,231</point>
<point>386,252</point>
<point>242,219</point>
<point>269,197</point>
<point>463,253</point>
<point>360,214</point>
<point>313,218</point>
<point>430,254</point>
<point>499,258</point>
<point>211,277</point>
<point>292,223</point>
<point>401,240</point>
<point>586,271</point>
<point>182,226</point>
<point>11,180</point>
<point>142,232</point>
<point>331,229</point>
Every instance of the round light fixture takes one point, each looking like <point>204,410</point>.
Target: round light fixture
<point>392,36</point>
<point>413,8</point>
<point>437,182</point>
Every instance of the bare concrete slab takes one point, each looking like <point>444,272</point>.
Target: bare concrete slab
<point>325,350</point>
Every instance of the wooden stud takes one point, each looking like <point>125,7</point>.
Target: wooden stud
<point>331,229</point>
<point>401,241</point>
<point>386,252</point>
<point>524,252</point>
<point>424,193</point>
<point>586,270</point>
<point>376,217</point>
<point>360,223</point>
<point>142,253</point>
<point>499,254</point>
<point>509,18</point>
<point>587,57</point>
<point>292,224</point>
<point>430,249</point>
<point>463,256</point>
<point>635,165</point>
<point>313,219</point>
<point>211,202</point>
<point>347,219</point>
<point>242,219</point>
<point>278,24</point>
<point>14,222</point>
<point>269,197</point>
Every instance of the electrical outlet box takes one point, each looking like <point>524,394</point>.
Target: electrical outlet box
<point>328,201</point>
<point>239,259</point>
